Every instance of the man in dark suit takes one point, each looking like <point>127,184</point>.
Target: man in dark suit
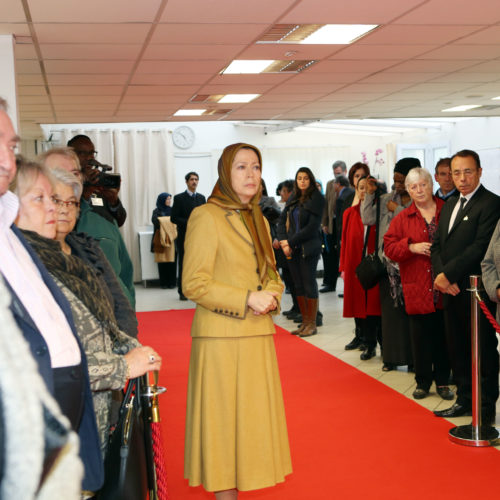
<point>184,204</point>
<point>44,317</point>
<point>465,228</point>
<point>331,270</point>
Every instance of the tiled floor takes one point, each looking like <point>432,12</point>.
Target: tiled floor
<point>332,337</point>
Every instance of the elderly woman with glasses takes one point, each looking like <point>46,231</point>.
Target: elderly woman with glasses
<point>113,356</point>
<point>408,242</point>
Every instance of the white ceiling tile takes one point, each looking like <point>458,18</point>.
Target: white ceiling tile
<point>17,29</point>
<point>279,51</point>
<point>473,52</point>
<point>31,90</point>
<point>387,77</point>
<point>188,90</point>
<point>352,12</point>
<point>487,36</point>
<point>162,99</point>
<point>90,51</point>
<point>87,66</point>
<point>12,11</point>
<point>109,11</point>
<point>265,78</point>
<point>165,79</point>
<point>87,100</point>
<point>30,79</point>
<point>87,90</point>
<point>192,52</point>
<point>235,89</point>
<point>224,11</point>
<point>416,34</point>
<point>210,34</point>
<point>25,51</point>
<point>35,99</point>
<point>453,12</point>
<point>431,66</point>
<point>201,66</point>
<point>24,66</point>
<point>471,77</point>
<point>86,79</point>
<point>133,33</point>
<point>381,52</point>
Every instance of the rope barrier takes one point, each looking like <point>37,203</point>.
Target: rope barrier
<point>487,313</point>
<point>161,471</point>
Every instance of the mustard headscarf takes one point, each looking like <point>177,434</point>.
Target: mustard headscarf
<point>223,195</point>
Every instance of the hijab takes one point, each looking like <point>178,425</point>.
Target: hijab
<point>223,195</point>
<point>163,210</point>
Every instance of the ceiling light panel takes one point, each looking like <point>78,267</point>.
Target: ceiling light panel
<point>464,107</point>
<point>189,112</point>
<point>246,66</point>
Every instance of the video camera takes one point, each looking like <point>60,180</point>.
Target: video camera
<point>105,180</point>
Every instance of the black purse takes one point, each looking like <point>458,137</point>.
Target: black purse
<point>125,469</point>
<point>371,269</point>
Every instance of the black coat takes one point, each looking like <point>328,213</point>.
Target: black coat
<point>184,204</point>
<point>307,237</point>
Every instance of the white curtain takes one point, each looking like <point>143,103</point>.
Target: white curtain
<point>144,159</point>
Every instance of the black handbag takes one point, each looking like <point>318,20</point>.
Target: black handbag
<point>125,469</point>
<point>371,269</point>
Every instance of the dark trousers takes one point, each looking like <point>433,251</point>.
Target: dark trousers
<point>457,319</point>
<point>166,271</point>
<point>303,270</point>
<point>331,262</point>
<point>371,331</point>
<point>179,246</point>
<point>430,357</point>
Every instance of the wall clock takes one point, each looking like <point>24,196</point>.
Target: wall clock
<point>183,137</point>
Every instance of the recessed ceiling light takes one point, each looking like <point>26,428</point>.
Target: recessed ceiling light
<point>464,107</point>
<point>338,33</point>
<point>189,112</point>
<point>232,98</point>
<point>241,66</point>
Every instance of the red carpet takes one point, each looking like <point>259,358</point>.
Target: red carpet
<point>351,437</point>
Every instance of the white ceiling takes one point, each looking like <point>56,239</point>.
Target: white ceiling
<point>131,60</point>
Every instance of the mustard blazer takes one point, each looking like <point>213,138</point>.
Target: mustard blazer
<point>219,272</point>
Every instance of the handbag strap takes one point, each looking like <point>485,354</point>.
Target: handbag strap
<point>366,240</point>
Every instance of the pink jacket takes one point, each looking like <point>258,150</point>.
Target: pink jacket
<point>416,271</point>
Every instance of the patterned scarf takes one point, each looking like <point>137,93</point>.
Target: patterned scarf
<point>224,196</point>
<point>75,274</point>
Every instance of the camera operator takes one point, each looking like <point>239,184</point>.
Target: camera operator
<point>100,188</point>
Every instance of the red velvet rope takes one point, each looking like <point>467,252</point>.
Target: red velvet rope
<point>488,315</point>
<point>161,471</point>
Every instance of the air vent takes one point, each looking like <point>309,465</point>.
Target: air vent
<point>206,98</point>
<point>210,112</point>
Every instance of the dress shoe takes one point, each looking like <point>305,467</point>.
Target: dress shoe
<point>290,312</point>
<point>454,411</point>
<point>420,393</point>
<point>353,344</point>
<point>298,318</point>
<point>488,418</point>
<point>327,289</point>
<point>368,353</point>
<point>319,319</point>
<point>182,297</point>
<point>445,392</point>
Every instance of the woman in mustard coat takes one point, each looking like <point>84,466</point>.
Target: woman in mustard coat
<point>236,436</point>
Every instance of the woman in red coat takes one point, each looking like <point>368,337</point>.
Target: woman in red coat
<point>362,305</point>
<point>408,242</point>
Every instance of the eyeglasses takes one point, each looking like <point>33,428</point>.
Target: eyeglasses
<point>93,154</point>
<point>67,204</point>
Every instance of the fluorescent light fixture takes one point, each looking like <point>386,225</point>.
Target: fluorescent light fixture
<point>338,33</point>
<point>245,66</point>
<point>234,98</point>
<point>496,98</point>
<point>464,107</point>
<point>189,112</point>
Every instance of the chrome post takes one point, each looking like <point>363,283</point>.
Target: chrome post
<point>475,434</point>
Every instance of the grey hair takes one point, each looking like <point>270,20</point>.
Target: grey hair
<point>68,179</point>
<point>415,174</point>
<point>27,173</point>
<point>65,151</point>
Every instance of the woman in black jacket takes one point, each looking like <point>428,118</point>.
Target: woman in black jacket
<point>300,238</point>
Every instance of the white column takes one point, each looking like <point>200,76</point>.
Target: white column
<point>8,77</point>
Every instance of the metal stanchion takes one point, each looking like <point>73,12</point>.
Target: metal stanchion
<point>475,434</point>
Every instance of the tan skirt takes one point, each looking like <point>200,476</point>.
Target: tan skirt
<point>236,435</point>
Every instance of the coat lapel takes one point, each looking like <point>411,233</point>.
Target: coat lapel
<point>468,206</point>
<point>237,225</point>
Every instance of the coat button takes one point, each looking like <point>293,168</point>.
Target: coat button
<point>259,287</point>
<point>237,314</point>
<point>225,312</point>
<point>41,350</point>
<point>257,271</point>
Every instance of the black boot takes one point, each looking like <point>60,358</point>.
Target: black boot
<point>368,353</point>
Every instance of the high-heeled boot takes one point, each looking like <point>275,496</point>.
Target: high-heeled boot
<point>312,310</point>
<point>301,300</point>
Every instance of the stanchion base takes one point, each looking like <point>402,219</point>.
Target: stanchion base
<point>468,435</point>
